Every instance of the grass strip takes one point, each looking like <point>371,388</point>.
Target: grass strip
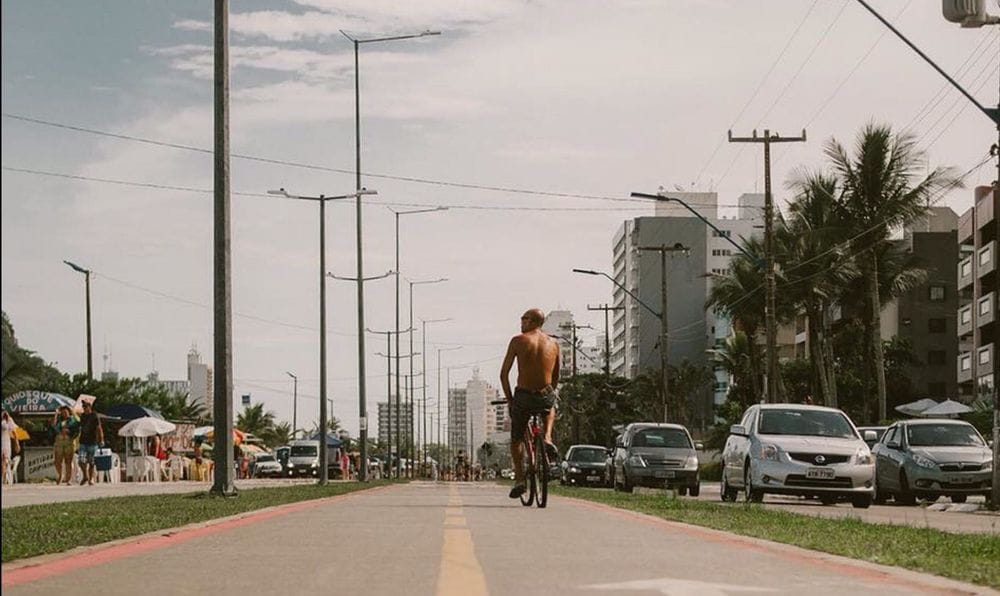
<point>971,558</point>
<point>34,530</point>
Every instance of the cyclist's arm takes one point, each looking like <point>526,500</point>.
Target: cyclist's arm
<point>508,362</point>
<point>555,369</point>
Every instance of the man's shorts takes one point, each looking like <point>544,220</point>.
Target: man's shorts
<point>87,452</point>
<point>523,406</point>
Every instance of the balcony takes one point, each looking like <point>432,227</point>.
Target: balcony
<point>987,258</point>
<point>986,357</point>
<point>986,309</point>
<point>965,273</point>
<point>965,320</point>
<point>964,367</point>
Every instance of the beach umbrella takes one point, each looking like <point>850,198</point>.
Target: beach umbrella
<point>20,433</point>
<point>131,412</point>
<point>946,408</point>
<point>209,434</point>
<point>146,427</point>
<point>916,408</point>
<point>36,402</point>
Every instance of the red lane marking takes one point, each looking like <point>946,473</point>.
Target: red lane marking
<point>728,539</point>
<point>99,555</point>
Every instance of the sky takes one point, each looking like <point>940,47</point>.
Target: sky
<point>578,97</point>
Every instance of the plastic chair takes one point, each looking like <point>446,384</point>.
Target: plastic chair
<point>11,477</point>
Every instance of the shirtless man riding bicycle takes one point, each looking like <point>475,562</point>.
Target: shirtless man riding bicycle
<point>537,357</point>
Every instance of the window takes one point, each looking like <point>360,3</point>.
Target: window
<point>984,356</point>
<point>937,389</point>
<point>966,269</point>
<point>966,362</point>
<point>937,293</point>
<point>985,255</point>
<point>937,325</point>
<point>965,317</point>
<point>985,306</point>
<point>936,357</point>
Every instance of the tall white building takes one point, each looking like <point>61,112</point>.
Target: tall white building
<point>559,324</point>
<point>387,410</point>
<point>458,420</point>
<point>479,394</point>
<point>200,380</point>
<point>590,358</point>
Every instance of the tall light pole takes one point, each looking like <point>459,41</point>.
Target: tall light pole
<point>423,363</point>
<point>222,284</point>
<point>388,392</point>
<point>322,200</point>
<point>295,403</point>
<point>398,350</point>
<point>360,270</point>
<point>90,343</point>
<point>448,396</point>
<point>416,283</point>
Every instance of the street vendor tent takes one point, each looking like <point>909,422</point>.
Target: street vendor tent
<point>947,408</point>
<point>331,440</point>
<point>36,402</point>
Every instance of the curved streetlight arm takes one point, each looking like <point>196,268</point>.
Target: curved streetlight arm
<point>413,211</point>
<point>427,281</point>
<point>425,33</point>
<point>623,288</point>
<point>291,375</point>
<point>373,278</point>
<point>281,192</point>
<point>77,268</point>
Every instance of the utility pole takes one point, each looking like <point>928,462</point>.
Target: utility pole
<point>769,308</point>
<point>295,403</point>
<point>607,334</point>
<point>222,266</point>
<point>90,349</point>
<point>574,327</point>
<point>664,376</point>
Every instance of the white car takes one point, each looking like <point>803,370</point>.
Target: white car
<point>803,450</point>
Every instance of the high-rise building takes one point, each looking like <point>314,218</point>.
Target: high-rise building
<point>200,380</point>
<point>458,420</point>
<point>978,287</point>
<point>479,394</point>
<point>559,324</point>
<point>387,409</point>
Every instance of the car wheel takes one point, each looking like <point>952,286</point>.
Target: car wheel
<point>682,491</point>
<point>753,495</point>
<point>958,498</point>
<point>862,502</point>
<point>727,493</point>
<point>880,497</point>
<point>694,490</point>
<point>931,498</point>
<point>905,495</point>
<point>827,500</point>
<point>626,485</point>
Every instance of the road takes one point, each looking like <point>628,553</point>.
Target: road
<point>461,539</point>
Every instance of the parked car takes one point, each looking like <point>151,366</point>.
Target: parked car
<point>929,458</point>
<point>656,455</point>
<point>584,465</point>
<point>872,434</point>
<point>609,464</point>
<point>266,466</point>
<point>800,450</point>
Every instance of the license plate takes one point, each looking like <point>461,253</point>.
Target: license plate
<point>961,479</point>
<point>820,473</point>
<point>593,478</point>
<point>665,474</point>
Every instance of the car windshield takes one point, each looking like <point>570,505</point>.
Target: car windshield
<point>942,435</point>
<point>261,458</point>
<point>661,437</point>
<point>587,455</point>
<point>304,451</point>
<point>809,423</point>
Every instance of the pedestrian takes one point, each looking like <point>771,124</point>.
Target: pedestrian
<point>808,399</point>
<point>91,435</point>
<point>199,470</point>
<point>345,464</point>
<point>64,430</point>
<point>8,434</point>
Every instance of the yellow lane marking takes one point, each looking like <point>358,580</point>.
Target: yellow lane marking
<point>460,574</point>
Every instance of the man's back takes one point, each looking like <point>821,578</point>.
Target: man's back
<point>536,355</point>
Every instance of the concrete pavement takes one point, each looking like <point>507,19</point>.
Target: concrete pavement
<point>425,538</point>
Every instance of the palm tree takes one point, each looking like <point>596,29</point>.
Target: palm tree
<point>878,194</point>
<point>280,434</point>
<point>736,356</point>
<point>254,420</point>
<point>815,267</point>
<point>686,382</point>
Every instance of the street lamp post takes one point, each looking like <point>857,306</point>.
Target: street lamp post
<point>416,283</point>
<point>388,392</point>
<point>357,176</point>
<point>295,403</point>
<point>423,363</point>
<point>322,199</point>
<point>448,396</point>
<point>90,343</point>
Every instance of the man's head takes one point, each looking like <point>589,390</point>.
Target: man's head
<point>87,407</point>
<point>532,319</point>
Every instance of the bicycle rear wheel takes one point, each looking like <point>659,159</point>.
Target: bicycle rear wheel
<point>541,472</point>
<point>530,458</point>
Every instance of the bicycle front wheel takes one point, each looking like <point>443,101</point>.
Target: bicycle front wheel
<point>541,472</point>
<point>530,462</point>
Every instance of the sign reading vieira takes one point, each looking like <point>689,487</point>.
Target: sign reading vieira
<point>181,440</point>
<point>36,402</point>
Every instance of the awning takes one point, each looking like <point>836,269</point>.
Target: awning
<point>36,402</point>
<point>132,412</point>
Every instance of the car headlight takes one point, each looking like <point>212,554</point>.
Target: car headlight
<point>987,465</point>
<point>769,452</point>
<point>637,461</point>
<point>691,462</point>
<point>315,464</point>
<point>291,465</point>
<point>574,470</point>
<point>862,457</point>
<point>924,462</point>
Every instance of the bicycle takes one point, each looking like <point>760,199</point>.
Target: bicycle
<point>534,460</point>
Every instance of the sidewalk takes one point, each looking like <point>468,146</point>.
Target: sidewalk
<point>37,494</point>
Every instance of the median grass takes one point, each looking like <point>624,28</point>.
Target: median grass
<point>972,558</point>
<point>35,530</point>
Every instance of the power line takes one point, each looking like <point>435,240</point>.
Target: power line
<point>990,67</point>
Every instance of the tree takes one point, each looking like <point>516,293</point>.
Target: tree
<point>254,420</point>
<point>332,427</point>
<point>736,357</point>
<point>279,434</point>
<point>688,382</point>
<point>22,369</point>
<point>877,194</point>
